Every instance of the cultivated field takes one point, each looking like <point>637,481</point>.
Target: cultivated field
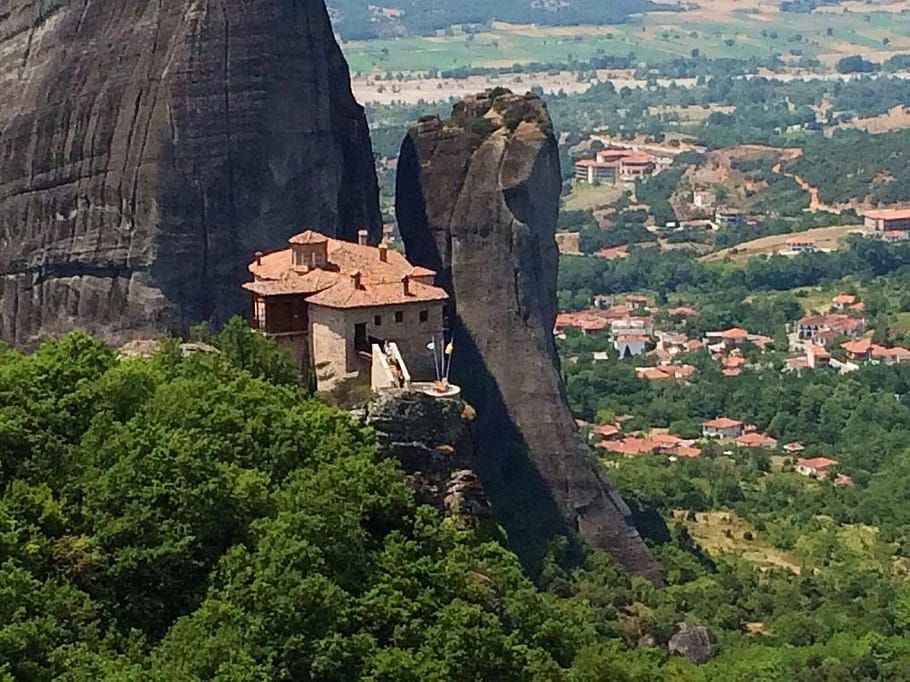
<point>717,28</point>
<point>827,238</point>
<point>722,532</point>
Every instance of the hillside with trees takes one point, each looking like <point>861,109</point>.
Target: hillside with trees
<point>176,517</point>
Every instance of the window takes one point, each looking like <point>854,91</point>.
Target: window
<point>424,315</point>
<point>360,337</point>
<point>399,317</point>
<point>377,321</point>
<point>259,313</point>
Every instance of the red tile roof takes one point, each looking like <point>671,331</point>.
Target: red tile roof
<point>721,423</point>
<point>857,347</point>
<point>587,321</point>
<point>756,440</point>
<point>844,299</point>
<point>816,463</point>
<point>682,310</point>
<point>308,237</point>
<point>736,333</point>
<point>888,214</point>
<point>380,277</point>
<point>605,430</point>
<point>612,253</point>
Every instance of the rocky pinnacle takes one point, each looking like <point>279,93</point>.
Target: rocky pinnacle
<point>477,200</point>
<point>148,148</point>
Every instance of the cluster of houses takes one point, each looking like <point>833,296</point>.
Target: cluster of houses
<point>610,438</point>
<point>748,436</point>
<point>814,333</point>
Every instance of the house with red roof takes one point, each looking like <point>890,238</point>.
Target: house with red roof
<point>817,356</point>
<point>332,303</point>
<point>722,427</point>
<point>857,350</point>
<point>820,328</point>
<point>887,220</point>
<point>606,431</point>
<point>842,302</point>
<point>816,467</point>
<point>613,252</point>
<point>587,321</point>
<point>755,439</point>
<point>843,481</point>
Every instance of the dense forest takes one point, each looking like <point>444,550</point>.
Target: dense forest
<point>200,517</point>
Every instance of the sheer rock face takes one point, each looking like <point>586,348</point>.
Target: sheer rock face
<point>478,199</point>
<point>147,149</point>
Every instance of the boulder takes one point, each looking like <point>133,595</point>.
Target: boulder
<point>431,440</point>
<point>148,149</point>
<point>695,642</point>
<point>477,201</point>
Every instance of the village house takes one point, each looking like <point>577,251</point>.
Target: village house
<point>615,164</point>
<point>800,245</point>
<point>793,446</point>
<point>665,371</point>
<point>755,439</point>
<point>887,219</point>
<point>817,356</point>
<point>815,467</point>
<point>587,321</point>
<point>636,302</point>
<point>722,427</point>
<point>820,328</point>
<point>681,311</point>
<point>630,344</point>
<point>842,302</point>
<point>862,350</point>
<point>729,217</point>
<point>613,252</point>
<point>332,303</point>
<point>607,431</point>
<point>735,337</point>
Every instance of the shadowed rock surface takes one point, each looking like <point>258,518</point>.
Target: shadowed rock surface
<point>477,200</point>
<point>431,439</point>
<point>147,149</point>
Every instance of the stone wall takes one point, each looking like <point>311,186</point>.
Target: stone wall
<point>332,334</point>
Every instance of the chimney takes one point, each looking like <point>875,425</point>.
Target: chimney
<point>362,237</point>
<point>259,258</point>
<point>406,285</point>
<point>383,252</point>
<point>355,279</point>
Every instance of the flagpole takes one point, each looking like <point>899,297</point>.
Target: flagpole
<point>432,347</point>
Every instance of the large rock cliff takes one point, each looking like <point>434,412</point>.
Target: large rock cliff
<point>478,198</point>
<point>147,149</point>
